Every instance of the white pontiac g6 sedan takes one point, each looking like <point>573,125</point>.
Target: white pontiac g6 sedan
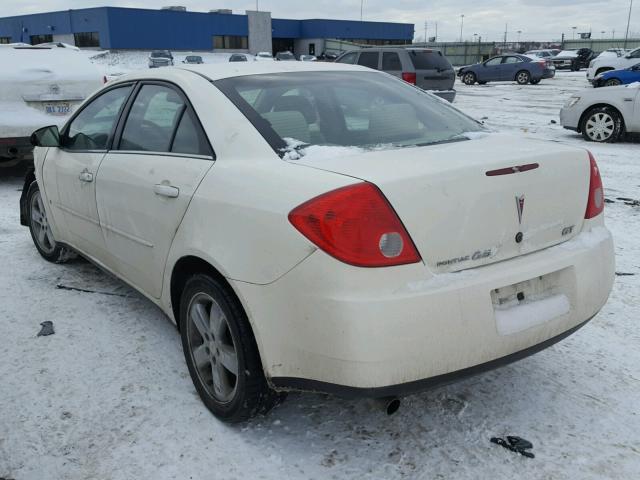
<point>324,227</point>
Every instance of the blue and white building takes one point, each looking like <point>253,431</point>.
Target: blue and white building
<point>219,30</point>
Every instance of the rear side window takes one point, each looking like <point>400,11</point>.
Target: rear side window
<point>512,60</point>
<point>190,138</point>
<point>391,61</point>
<point>369,59</point>
<point>425,60</point>
<point>152,119</point>
<point>349,58</point>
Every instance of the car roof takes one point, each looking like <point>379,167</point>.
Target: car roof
<point>221,70</point>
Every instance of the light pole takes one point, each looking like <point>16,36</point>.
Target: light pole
<point>603,32</point>
<point>361,7</point>
<point>626,35</point>
<point>461,25</point>
<point>573,36</point>
<point>425,32</point>
<point>519,32</point>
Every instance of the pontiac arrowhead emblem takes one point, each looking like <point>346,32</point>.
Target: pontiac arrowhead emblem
<point>520,207</point>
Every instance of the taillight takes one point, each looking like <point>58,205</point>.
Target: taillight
<point>595,203</point>
<point>357,225</point>
<point>409,77</point>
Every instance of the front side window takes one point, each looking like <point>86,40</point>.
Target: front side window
<point>369,59</point>
<point>349,58</point>
<point>512,60</point>
<point>93,126</point>
<point>351,109</point>
<point>493,62</point>
<point>154,115</point>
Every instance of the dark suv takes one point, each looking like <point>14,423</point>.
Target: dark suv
<point>160,58</point>
<point>428,69</point>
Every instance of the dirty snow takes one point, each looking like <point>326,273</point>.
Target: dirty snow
<point>526,315</point>
<point>109,396</point>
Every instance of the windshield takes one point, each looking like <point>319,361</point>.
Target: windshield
<point>351,109</point>
<point>568,53</point>
<point>286,56</point>
<point>159,55</point>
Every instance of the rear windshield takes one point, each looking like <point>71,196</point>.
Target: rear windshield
<point>568,53</point>
<point>351,109</point>
<point>425,60</point>
<point>286,56</point>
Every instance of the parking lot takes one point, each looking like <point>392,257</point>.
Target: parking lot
<point>109,395</point>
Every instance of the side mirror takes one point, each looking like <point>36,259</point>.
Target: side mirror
<point>46,137</point>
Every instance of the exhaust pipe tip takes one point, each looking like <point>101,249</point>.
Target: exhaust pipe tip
<point>389,405</point>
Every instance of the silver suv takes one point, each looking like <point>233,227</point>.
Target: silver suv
<point>428,69</point>
<point>160,58</point>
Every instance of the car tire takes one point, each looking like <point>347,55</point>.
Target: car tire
<point>40,230</point>
<point>612,82</point>
<point>602,125</point>
<point>469,78</point>
<point>534,81</point>
<point>523,77</point>
<point>216,340</point>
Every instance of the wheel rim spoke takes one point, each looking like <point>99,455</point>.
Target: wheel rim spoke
<point>200,356</point>
<point>200,319</point>
<point>218,320</point>
<point>49,236</point>
<point>41,236</point>
<point>228,358</point>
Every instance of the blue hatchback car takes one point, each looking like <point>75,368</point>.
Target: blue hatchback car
<point>612,78</point>
<point>505,68</point>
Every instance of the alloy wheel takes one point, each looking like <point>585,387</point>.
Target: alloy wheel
<point>40,225</point>
<point>212,348</point>
<point>523,77</point>
<point>600,126</point>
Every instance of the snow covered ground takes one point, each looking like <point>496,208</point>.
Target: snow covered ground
<point>109,396</point>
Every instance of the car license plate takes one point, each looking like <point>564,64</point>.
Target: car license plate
<point>57,108</point>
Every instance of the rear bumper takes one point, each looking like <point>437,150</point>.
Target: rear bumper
<point>288,383</point>
<point>448,95</point>
<point>376,332</point>
<point>15,147</point>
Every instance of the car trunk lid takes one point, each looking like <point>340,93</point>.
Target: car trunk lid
<point>465,205</point>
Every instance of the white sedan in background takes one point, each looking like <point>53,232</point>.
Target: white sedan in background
<point>39,86</point>
<point>603,114</point>
<point>324,227</point>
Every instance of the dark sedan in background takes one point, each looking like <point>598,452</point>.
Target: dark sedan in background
<point>506,68</point>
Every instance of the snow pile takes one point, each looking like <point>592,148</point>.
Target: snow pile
<point>44,65</point>
<point>526,315</point>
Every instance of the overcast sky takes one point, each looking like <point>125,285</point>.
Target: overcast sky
<point>537,19</point>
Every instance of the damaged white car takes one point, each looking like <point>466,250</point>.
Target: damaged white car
<point>323,227</point>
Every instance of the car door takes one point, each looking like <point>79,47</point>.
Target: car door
<point>84,143</point>
<point>146,182</point>
<point>509,67</point>
<point>490,71</point>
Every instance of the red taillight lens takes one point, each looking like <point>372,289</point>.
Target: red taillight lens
<point>409,77</point>
<point>357,225</point>
<point>595,203</point>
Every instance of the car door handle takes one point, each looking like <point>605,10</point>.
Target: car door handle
<point>166,190</point>
<point>86,176</point>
